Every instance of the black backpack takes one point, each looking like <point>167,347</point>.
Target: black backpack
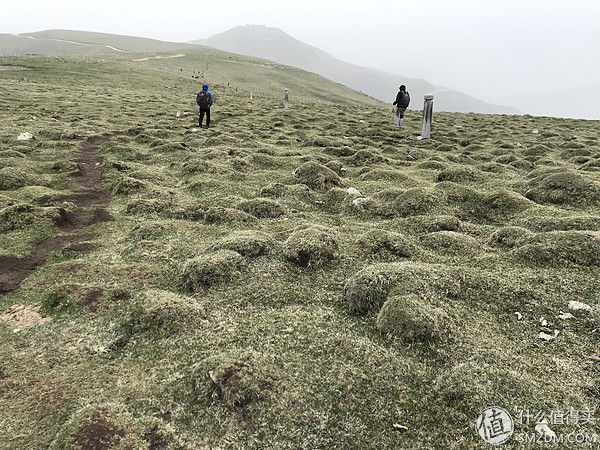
<point>405,100</point>
<point>202,99</point>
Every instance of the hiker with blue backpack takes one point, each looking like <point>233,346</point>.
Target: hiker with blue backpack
<point>204,100</point>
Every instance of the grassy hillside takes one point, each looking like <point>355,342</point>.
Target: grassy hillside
<point>232,291</point>
<point>84,43</point>
<point>22,45</point>
<point>275,45</point>
<point>128,43</point>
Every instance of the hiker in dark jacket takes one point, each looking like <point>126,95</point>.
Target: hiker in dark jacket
<point>204,100</point>
<point>401,103</point>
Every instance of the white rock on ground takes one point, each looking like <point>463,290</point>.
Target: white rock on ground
<point>565,316</point>
<point>579,306</point>
<point>358,201</point>
<point>548,337</point>
<point>354,191</point>
<point>543,429</point>
<point>519,315</point>
<point>24,136</point>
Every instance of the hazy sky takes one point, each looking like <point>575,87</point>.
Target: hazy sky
<point>488,48</point>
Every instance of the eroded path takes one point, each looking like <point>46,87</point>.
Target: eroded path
<point>91,199</point>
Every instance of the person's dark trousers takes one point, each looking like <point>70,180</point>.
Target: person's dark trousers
<point>201,118</point>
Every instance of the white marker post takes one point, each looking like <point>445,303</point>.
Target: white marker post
<point>286,103</point>
<point>250,95</point>
<point>427,116</point>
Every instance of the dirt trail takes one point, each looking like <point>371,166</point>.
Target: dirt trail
<point>91,198</point>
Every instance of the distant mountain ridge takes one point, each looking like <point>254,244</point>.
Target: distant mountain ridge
<point>276,45</point>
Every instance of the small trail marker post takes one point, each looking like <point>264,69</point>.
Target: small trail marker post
<point>427,116</point>
<point>286,103</point>
<point>250,95</point>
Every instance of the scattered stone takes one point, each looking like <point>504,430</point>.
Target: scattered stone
<point>565,316</point>
<point>579,306</point>
<point>548,337</point>
<point>543,322</point>
<point>358,201</point>
<point>519,315</point>
<point>410,158</point>
<point>25,136</point>
<point>353,191</point>
<point>536,131</point>
<point>399,427</point>
<point>543,429</point>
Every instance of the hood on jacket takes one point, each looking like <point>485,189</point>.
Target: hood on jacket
<point>205,87</point>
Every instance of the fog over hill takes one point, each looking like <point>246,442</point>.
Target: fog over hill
<point>274,44</point>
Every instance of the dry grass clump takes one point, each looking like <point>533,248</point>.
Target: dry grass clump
<point>446,148</point>
<point>563,188</point>
<point>505,203</point>
<point>368,289</point>
<point>263,208</point>
<point>250,244</point>
<point>414,319</point>
<point>207,270</point>
<point>366,157</point>
<point>450,240</point>
<point>385,175</point>
<point>161,312</point>
<point>429,224</point>
<point>236,382</point>
<point>508,237</point>
<point>62,296</point>
<point>433,164</point>
<point>310,247</point>
<point>146,231</point>
<point>213,214</point>
<point>579,247</point>
<point>129,185</point>
<point>147,206</point>
<point>316,176</point>
<point>417,201</point>
<point>472,385</point>
<point>17,216</point>
<point>14,178</point>
<point>458,174</point>
<point>555,223</point>
<point>381,241</point>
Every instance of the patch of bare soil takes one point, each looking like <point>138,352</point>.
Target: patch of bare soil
<point>98,433</point>
<point>23,316</point>
<point>91,199</point>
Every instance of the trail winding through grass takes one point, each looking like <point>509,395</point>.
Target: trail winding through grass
<point>91,198</point>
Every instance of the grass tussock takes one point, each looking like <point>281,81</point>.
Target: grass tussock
<point>310,247</point>
<point>206,270</point>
